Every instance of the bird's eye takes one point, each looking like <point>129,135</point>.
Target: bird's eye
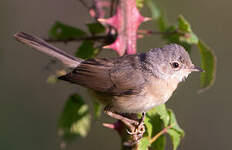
<point>175,65</point>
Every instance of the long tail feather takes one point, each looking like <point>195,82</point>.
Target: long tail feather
<point>48,49</point>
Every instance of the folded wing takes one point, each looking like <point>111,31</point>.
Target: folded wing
<point>121,76</point>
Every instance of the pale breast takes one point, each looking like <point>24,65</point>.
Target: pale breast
<point>156,92</point>
<point>161,89</point>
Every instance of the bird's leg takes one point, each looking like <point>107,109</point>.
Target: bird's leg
<point>128,122</point>
<point>139,129</point>
<point>136,128</point>
<point>141,120</point>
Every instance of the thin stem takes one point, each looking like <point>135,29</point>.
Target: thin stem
<point>160,133</point>
<point>151,32</point>
<point>95,38</point>
<point>91,38</point>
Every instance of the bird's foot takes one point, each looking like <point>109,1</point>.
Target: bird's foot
<point>138,130</point>
<point>135,128</point>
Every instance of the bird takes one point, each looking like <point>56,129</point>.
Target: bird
<point>127,84</point>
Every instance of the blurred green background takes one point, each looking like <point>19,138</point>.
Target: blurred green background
<point>30,107</point>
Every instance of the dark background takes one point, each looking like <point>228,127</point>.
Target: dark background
<point>30,107</point>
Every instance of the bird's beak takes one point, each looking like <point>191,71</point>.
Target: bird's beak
<point>197,69</point>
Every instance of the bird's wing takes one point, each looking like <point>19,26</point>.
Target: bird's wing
<point>92,73</point>
<point>119,76</point>
<point>127,76</point>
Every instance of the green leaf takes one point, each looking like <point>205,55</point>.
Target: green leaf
<point>154,124</point>
<point>173,122</point>
<point>157,15</point>
<point>208,63</point>
<point>175,137</point>
<point>184,39</point>
<point>172,36</point>
<point>97,109</point>
<point>175,132</point>
<point>159,144</point>
<point>144,144</point>
<point>187,36</point>
<point>183,24</point>
<point>60,31</point>
<point>86,50</point>
<point>181,34</point>
<point>75,119</point>
<point>162,112</point>
<point>95,28</point>
<point>157,119</point>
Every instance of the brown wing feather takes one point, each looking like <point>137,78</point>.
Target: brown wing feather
<point>93,73</point>
<point>121,76</point>
<point>127,75</point>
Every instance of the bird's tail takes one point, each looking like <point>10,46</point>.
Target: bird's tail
<point>48,49</point>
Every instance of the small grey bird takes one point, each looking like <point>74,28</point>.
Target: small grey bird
<point>127,84</point>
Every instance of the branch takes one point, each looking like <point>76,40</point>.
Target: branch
<point>106,37</point>
<point>126,21</point>
<point>160,133</point>
<point>91,38</point>
<point>152,32</point>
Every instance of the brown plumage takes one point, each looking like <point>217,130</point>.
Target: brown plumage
<point>132,83</point>
<point>113,76</point>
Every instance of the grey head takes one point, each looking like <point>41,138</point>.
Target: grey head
<point>170,62</point>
